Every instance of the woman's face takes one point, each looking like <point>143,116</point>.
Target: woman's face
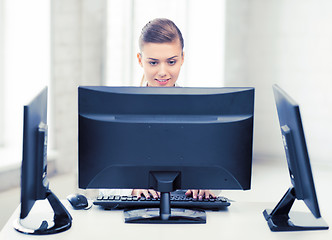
<point>161,63</point>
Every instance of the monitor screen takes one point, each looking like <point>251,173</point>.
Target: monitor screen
<point>127,133</point>
<point>281,218</point>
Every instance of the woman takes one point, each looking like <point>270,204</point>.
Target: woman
<point>161,57</point>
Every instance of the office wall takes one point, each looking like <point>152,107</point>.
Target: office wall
<point>78,39</point>
<point>288,43</point>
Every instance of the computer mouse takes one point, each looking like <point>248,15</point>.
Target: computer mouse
<point>78,201</point>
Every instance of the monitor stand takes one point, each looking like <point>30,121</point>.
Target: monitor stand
<point>282,219</point>
<point>165,182</point>
<point>62,219</point>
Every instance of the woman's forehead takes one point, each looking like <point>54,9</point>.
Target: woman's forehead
<point>162,50</point>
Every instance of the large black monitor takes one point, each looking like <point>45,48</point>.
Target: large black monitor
<point>165,138</point>
<point>281,218</point>
<point>34,182</point>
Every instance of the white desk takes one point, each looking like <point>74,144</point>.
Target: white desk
<point>243,220</point>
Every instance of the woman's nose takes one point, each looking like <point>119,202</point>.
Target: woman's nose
<point>162,70</point>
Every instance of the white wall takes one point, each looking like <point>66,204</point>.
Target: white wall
<point>288,43</point>
<point>78,48</point>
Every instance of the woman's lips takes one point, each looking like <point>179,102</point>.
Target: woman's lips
<point>162,81</point>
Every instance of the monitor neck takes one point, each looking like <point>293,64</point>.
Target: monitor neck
<point>285,204</point>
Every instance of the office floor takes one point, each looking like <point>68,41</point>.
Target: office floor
<point>270,181</point>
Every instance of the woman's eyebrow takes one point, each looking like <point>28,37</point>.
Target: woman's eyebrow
<point>172,57</point>
<point>155,59</point>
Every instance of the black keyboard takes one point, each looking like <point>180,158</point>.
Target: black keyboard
<point>130,202</point>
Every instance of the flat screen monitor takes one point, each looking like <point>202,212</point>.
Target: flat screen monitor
<point>34,182</point>
<point>165,138</point>
<point>303,188</point>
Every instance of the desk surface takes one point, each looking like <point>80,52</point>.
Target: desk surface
<point>243,220</point>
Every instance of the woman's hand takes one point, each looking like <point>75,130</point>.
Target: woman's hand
<point>146,193</point>
<point>200,194</point>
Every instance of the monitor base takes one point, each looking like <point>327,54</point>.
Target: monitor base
<point>62,219</point>
<point>296,221</point>
<point>281,218</point>
<point>152,215</point>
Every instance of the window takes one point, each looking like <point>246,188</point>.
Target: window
<point>26,60</point>
<point>202,24</point>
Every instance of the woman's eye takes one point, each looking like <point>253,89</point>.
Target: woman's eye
<point>171,62</point>
<point>152,63</point>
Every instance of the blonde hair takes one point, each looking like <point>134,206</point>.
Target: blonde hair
<point>142,80</point>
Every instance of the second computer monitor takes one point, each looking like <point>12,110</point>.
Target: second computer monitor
<point>282,218</point>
